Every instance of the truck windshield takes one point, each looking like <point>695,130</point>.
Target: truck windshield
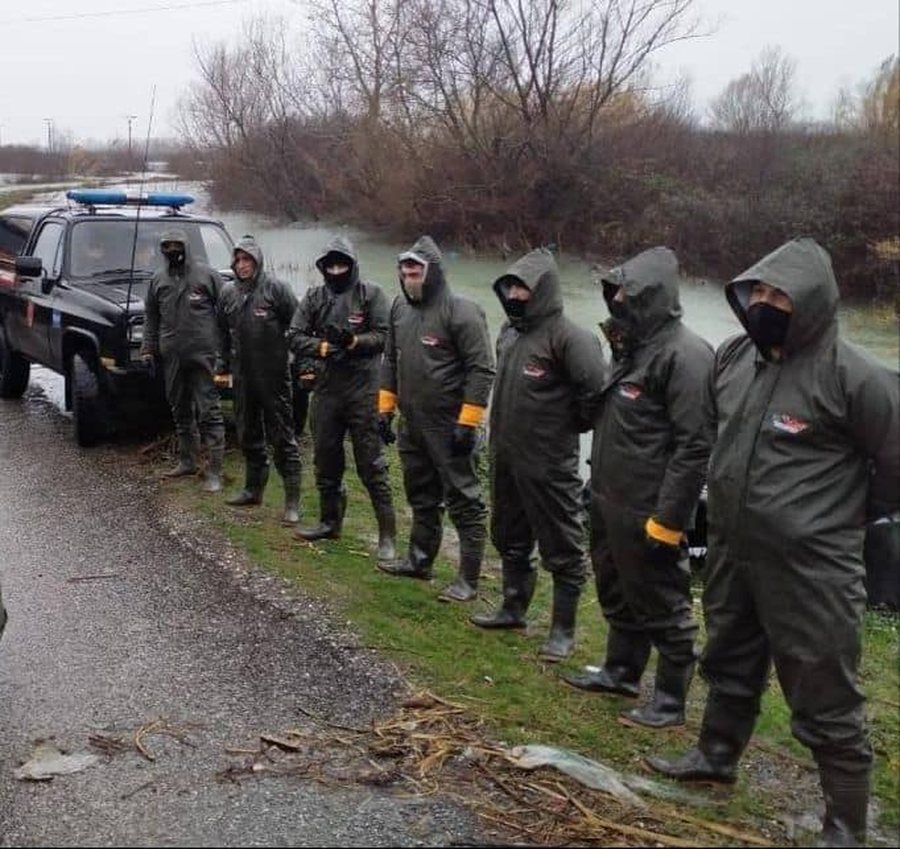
<point>107,246</point>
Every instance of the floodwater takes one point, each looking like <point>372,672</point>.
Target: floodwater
<point>291,250</point>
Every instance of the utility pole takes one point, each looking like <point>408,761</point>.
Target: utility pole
<point>49,123</point>
<point>129,118</point>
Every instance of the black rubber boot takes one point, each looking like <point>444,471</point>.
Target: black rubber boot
<point>187,459</point>
<point>465,586</point>
<point>519,579</point>
<point>627,653</point>
<point>212,478</point>
<point>727,725</point>
<point>416,565</point>
<point>333,505</point>
<point>666,707</point>
<point>846,806</point>
<point>387,534</point>
<point>471,554</point>
<point>559,644</point>
<point>291,513</point>
<point>252,493</point>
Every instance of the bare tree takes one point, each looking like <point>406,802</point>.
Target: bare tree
<point>762,100</point>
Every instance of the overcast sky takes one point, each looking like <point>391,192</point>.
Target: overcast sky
<point>87,66</point>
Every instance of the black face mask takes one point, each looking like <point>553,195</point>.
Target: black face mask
<point>174,258</point>
<point>515,310</point>
<point>767,326</point>
<point>617,309</point>
<point>338,282</point>
<point>620,338</point>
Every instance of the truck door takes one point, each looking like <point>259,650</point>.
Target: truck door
<point>28,324</point>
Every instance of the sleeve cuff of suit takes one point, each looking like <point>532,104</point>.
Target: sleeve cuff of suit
<point>471,415</point>
<point>661,533</point>
<point>387,401</point>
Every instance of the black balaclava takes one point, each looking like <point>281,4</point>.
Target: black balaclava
<point>619,328</point>
<point>767,326</point>
<point>617,309</point>
<point>516,310</point>
<point>337,282</point>
<point>175,256</point>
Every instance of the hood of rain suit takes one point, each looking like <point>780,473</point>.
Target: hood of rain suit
<point>802,270</point>
<point>650,281</point>
<point>175,234</point>
<point>426,251</point>
<point>248,245</point>
<point>538,271</point>
<point>343,246</point>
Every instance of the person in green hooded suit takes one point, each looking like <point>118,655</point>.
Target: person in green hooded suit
<point>807,445</point>
<point>255,314</point>
<point>648,463</point>
<point>550,375</point>
<point>438,369</point>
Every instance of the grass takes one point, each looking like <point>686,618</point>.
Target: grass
<point>498,673</point>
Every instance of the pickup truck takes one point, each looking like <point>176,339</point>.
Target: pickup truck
<point>73,278</point>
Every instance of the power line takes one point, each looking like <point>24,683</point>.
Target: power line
<point>120,12</point>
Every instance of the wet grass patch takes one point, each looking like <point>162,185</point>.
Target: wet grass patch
<point>499,675</point>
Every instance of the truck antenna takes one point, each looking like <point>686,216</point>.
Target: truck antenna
<point>137,217</point>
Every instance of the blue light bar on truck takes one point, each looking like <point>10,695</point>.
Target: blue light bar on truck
<point>106,197</point>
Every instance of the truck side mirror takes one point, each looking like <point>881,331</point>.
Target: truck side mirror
<point>29,266</point>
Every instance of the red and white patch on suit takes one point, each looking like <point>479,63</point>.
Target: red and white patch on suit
<point>432,341</point>
<point>356,318</point>
<point>631,391</point>
<point>195,296</point>
<point>535,370</point>
<point>261,312</point>
<point>789,424</point>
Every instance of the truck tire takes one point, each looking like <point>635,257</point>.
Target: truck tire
<point>88,403</point>
<point>14,371</point>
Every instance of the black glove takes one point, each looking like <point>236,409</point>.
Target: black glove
<point>339,337</point>
<point>385,429</point>
<point>464,440</point>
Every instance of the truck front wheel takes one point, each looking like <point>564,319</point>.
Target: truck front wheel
<point>88,403</point>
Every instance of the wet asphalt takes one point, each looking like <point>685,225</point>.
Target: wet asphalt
<point>122,613</point>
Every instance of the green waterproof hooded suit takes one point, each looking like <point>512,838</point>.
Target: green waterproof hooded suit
<point>439,367</point>
<point>805,442</point>
<point>650,452</point>
<point>346,389</point>
<point>181,327</point>
<point>255,315</point>
<point>550,374</point>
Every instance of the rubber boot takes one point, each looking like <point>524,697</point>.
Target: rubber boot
<point>666,707</point>
<point>471,554</point>
<point>387,534</point>
<point>187,459</point>
<point>727,725</point>
<point>291,513</point>
<point>252,493</point>
<point>519,580</point>
<point>333,505</point>
<point>212,479</point>
<point>627,653</point>
<point>416,565</point>
<point>559,644</point>
<point>846,805</point>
